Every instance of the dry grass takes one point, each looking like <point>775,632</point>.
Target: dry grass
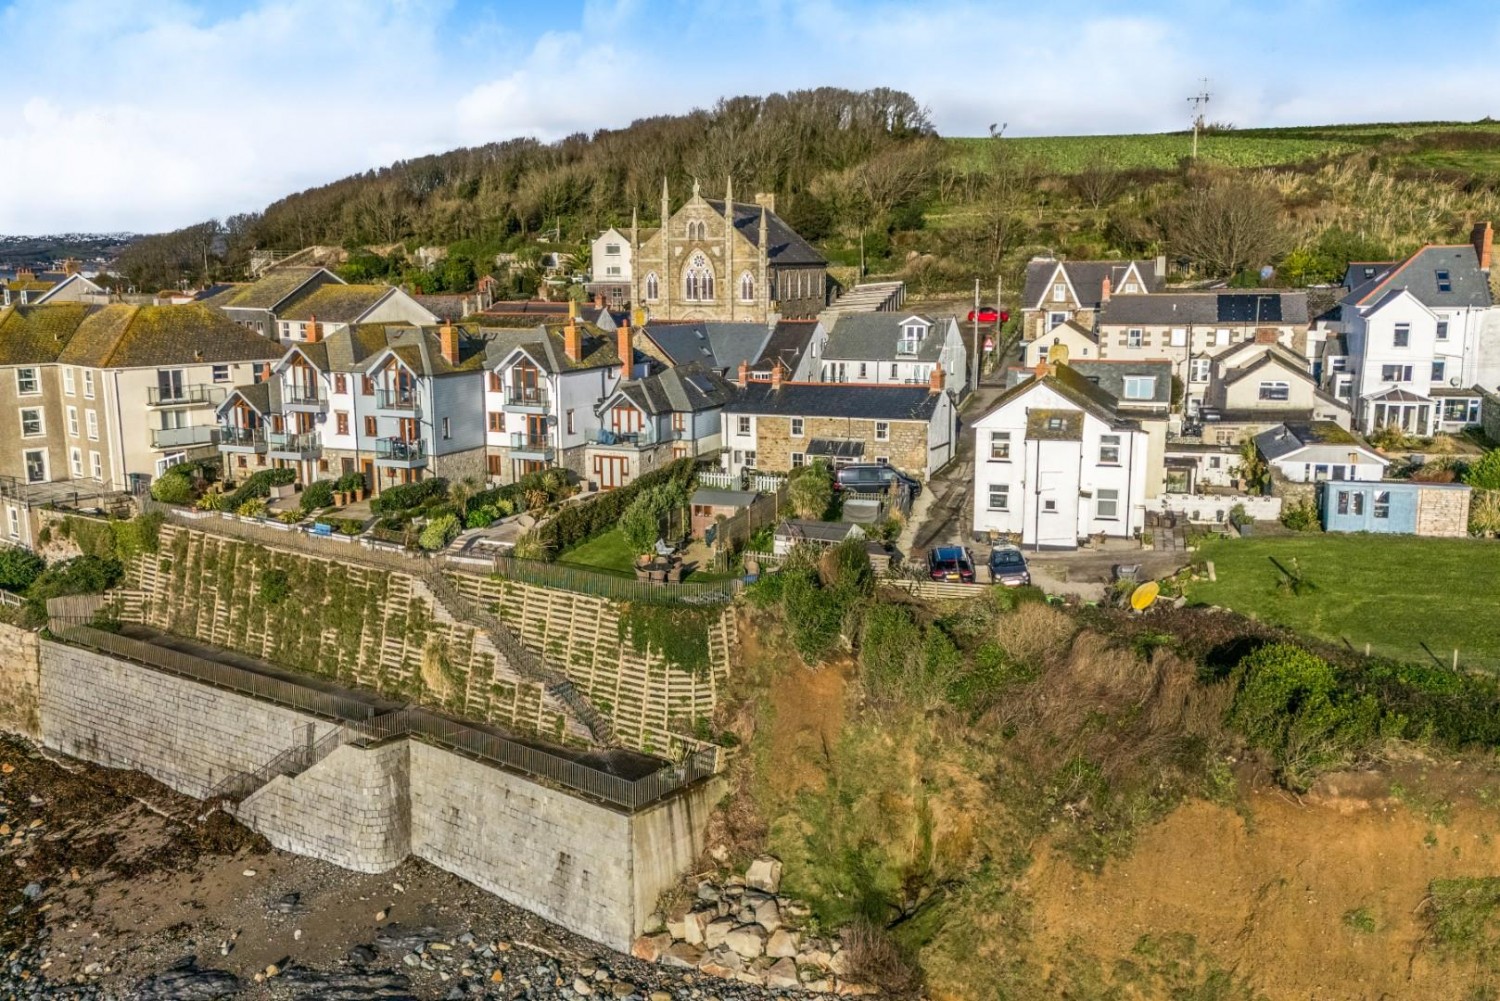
<point>1033,633</point>
<point>874,958</point>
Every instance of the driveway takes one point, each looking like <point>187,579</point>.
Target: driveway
<point>943,514</point>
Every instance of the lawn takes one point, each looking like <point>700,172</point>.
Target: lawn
<point>1395,593</point>
<point>604,552</point>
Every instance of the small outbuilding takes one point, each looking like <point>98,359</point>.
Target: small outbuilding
<point>1395,507</point>
<point>709,505</point>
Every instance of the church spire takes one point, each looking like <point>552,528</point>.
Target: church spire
<point>665,202</point>
<point>729,197</point>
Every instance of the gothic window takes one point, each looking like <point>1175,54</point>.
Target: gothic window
<point>653,287</point>
<point>698,280</point>
<point>747,288</point>
<point>697,230</point>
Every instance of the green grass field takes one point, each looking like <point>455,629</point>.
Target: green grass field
<point>605,552</point>
<point>1237,148</point>
<point>1395,593</point>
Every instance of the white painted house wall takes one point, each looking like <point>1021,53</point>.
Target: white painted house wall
<point>610,267</point>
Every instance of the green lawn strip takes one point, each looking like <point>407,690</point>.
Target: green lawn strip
<point>1394,593</point>
<point>603,552</point>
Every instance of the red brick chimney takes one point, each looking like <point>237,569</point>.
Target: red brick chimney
<point>1266,335</point>
<point>573,341</point>
<point>1483,239</point>
<point>448,343</point>
<point>776,376</point>
<point>624,349</point>
<point>744,376</point>
<point>1104,289</point>
<point>313,336</point>
<point>935,382</point>
<point>265,372</point>
<point>598,300</point>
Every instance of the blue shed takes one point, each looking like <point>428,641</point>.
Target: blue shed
<point>1394,507</point>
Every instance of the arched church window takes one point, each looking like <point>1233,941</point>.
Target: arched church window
<point>698,280</point>
<point>653,287</point>
<point>747,287</point>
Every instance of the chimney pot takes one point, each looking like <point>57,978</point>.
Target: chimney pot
<point>1104,289</point>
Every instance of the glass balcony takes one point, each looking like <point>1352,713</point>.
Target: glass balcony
<point>400,401</point>
<point>535,446</point>
<point>293,445</point>
<point>399,452</point>
<point>197,395</point>
<point>626,439</point>
<point>527,399</point>
<point>302,398</point>
<point>238,439</point>
<point>185,437</point>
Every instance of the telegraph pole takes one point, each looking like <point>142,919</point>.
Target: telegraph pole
<point>1199,101</point>
<point>977,344</point>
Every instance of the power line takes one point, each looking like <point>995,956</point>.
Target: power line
<point>1199,101</point>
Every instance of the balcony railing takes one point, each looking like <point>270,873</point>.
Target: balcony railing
<point>293,395</point>
<point>299,443</point>
<point>626,439</point>
<point>531,397</point>
<point>199,394</point>
<point>396,399</point>
<point>400,450</point>
<point>196,434</point>
<point>231,436</point>
<point>539,443</point>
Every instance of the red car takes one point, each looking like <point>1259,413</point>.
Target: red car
<point>988,314</point>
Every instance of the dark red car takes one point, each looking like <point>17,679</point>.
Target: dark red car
<point>988,314</point>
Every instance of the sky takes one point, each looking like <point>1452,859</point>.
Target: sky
<point>147,115</point>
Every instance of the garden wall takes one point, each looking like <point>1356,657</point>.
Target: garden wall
<point>1213,508</point>
<point>19,680</point>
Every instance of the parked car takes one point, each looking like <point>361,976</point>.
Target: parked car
<point>1008,567</point>
<point>953,563</point>
<point>988,314</point>
<point>873,478</point>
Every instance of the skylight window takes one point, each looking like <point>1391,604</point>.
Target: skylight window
<point>1444,282</point>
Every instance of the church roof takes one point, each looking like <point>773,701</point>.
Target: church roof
<point>785,246</point>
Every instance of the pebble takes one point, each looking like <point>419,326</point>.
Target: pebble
<point>248,872</point>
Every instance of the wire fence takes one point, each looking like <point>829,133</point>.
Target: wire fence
<point>603,585</point>
<point>70,623</point>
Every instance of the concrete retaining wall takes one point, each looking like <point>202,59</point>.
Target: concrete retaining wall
<point>594,870</point>
<point>20,678</point>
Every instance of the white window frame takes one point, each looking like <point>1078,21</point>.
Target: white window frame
<point>1179,337</point>
<point>217,377</point>
<point>72,422</point>
<point>1109,443</point>
<point>1135,337</point>
<point>1110,496</point>
<point>1148,380</point>
<point>15,520</point>
<point>798,459</point>
<point>46,465</point>
<point>882,430</point>
<point>75,462</point>
<point>1401,335</point>
<point>1274,391</point>
<point>1442,330</point>
<point>1002,439</point>
<point>29,381</point>
<point>1056,319</point>
<point>1198,370</point>
<point>69,384</point>
<point>88,384</point>
<point>798,427</point>
<point>96,465</point>
<point>1003,492</point>
<point>91,424</point>
<point>41,422</point>
<point>742,425</point>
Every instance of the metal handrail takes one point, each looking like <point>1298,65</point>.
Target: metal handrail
<point>176,396</point>
<point>193,434</point>
<point>395,399</point>
<point>230,434</point>
<point>293,441</point>
<point>399,448</point>
<point>527,396</point>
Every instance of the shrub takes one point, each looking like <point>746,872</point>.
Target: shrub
<point>1387,436</point>
<point>173,486</point>
<point>1288,702</point>
<point>1484,512</point>
<point>1434,472</point>
<point>1300,517</point>
<point>1484,474</point>
<point>318,494</point>
<point>255,507</point>
<point>19,568</point>
<point>274,586</point>
<point>141,534</point>
<point>80,575</point>
<point>350,526</point>
<point>258,484</point>
<point>1239,517</point>
<point>438,532</point>
<point>811,490</point>
<point>578,523</point>
<point>406,496</point>
<point>349,481</point>
<point>211,501</point>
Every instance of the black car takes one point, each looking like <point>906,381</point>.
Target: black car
<point>951,563</point>
<point>1008,567</point>
<point>872,478</point>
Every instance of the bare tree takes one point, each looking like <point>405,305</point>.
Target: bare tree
<point>1226,226</point>
<point>1008,191</point>
<point>1099,182</point>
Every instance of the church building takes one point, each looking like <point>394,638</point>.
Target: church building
<point>740,263</point>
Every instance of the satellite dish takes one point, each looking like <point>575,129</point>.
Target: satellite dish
<point>1057,354</point>
<point>1142,597</point>
<point>1454,382</point>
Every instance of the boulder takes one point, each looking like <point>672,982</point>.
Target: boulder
<point>764,874</point>
<point>747,940</point>
<point>850,989</point>
<point>722,962</point>
<point>655,922</point>
<point>683,956</point>
<point>840,963</point>
<point>768,915</point>
<point>818,986</point>
<point>708,892</point>
<point>783,975</point>
<point>782,944</point>
<point>694,924</point>
<point>649,948</point>
<point>716,932</point>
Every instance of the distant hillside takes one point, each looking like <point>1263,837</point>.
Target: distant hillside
<point>864,176</point>
<point>37,251</point>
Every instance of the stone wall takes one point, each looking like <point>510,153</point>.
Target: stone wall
<point>183,734</point>
<point>352,808</point>
<point>20,671</point>
<point>595,870</point>
<point>774,444</point>
<point>1443,511</point>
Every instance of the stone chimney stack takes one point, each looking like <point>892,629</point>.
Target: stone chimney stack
<point>935,382</point>
<point>314,335</point>
<point>1104,289</point>
<point>1484,244</point>
<point>448,343</point>
<point>776,376</point>
<point>624,349</point>
<point>744,376</point>
<point>1161,267</point>
<point>573,341</point>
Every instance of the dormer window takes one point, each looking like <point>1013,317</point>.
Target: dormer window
<point>1444,282</point>
<point>1130,288</point>
<point>1059,292</point>
<point>911,337</point>
<point>1054,423</point>
<point>1140,387</point>
<point>1369,273</point>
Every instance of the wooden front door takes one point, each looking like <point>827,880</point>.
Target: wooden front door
<point>536,429</point>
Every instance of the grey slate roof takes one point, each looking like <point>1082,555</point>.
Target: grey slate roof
<point>786,247</point>
<point>789,341</point>
<point>263,397</point>
<point>719,346</point>
<point>1087,278</point>
<point>818,531</point>
<point>873,337</point>
<point>685,389</point>
<point>1293,436</point>
<point>895,403</point>
<point>1206,309</point>
<point>723,498</point>
<point>1418,274</point>
<point>1110,377</point>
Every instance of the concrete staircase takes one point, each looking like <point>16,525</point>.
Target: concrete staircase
<point>525,663</point>
<point>291,762</point>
